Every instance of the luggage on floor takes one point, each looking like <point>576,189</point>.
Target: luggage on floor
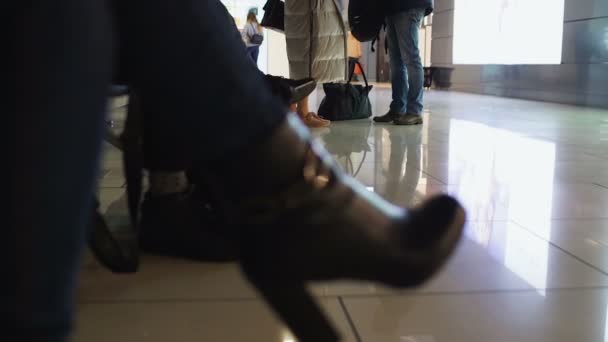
<point>346,101</point>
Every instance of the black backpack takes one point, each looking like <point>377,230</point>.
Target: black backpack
<point>366,18</point>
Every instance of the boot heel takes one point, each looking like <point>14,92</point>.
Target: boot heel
<point>297,309</point>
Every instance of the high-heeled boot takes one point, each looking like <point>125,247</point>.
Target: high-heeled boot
<point>300,219</point>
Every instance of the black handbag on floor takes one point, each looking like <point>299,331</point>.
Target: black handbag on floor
<point>274,15</point>
<point>346,101</point>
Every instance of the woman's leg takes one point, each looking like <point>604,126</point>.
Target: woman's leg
<point>310,119</point>
<point>303,107</point>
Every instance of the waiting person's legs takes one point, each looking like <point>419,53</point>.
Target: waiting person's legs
<point>59,78</point>
<point>311,119</point>
<point>407,75</point>
<point>399,75</point>
<point>403,35</point>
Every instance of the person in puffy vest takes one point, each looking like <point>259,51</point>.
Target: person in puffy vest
<point>315,35</point>
<point>403,22</point>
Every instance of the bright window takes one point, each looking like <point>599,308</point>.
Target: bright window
<point>508,31</point>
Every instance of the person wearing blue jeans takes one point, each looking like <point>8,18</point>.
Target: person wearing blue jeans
<point>403,22</point>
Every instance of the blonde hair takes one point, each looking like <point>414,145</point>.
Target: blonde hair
<point>251,17</point>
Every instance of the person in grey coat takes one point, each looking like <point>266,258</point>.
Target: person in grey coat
<point>316,46</point>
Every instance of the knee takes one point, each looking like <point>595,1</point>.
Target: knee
<point>414,61</point>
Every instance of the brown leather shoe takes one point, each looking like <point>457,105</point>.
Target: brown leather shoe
<point>312,120</point>
<point>388,117</point>
<point>320,118</point>
<point>408,120</point>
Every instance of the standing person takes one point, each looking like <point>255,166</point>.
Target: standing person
<point>316,47</point>
<point>403,22</point>
<point>254,35</point>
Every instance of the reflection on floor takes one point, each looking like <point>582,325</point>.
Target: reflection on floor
<point>534,266</point>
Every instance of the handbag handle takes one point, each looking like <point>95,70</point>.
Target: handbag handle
<point>352,73</point>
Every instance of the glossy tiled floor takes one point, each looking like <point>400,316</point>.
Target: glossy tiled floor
<point>534,265</point>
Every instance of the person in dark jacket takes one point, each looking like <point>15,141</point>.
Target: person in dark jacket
<point>403,23</point>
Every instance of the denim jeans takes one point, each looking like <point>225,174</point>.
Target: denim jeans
<point>253,52</point>
<point>407,75</point>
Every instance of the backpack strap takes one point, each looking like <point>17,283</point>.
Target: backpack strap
<point>375,40</point>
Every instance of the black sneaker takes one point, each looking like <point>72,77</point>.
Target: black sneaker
<point>179,225</point>
<point>386,118</point>
<point>408,120</point>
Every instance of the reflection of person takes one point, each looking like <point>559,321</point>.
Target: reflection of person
<point>316,47</point>
<point>407,75</point>
<point>253,33</point>
<point>405,145</point>
<point>346,140</point>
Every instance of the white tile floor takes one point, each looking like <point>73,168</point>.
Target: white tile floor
<point>534,266</point>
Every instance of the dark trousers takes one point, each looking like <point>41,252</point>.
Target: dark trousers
<point>202,101</point>
<point>202,98</point>
<point>58,75</point>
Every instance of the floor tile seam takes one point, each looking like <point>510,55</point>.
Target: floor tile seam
<point>442,183</point>
<point>349,320</point>
<point>253,298</point>
<point>413,294</point>
<point>168,301</point>
<point>555,183</point>
<point>343,296</point>
<point>563,250</point>
<point>601,185</point>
